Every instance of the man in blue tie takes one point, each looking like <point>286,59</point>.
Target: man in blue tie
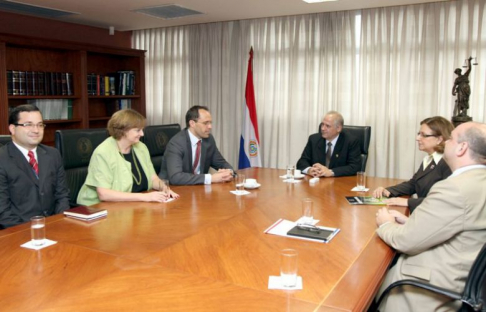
<point>191,152</point>
<point>32,178</point>
<point>331,153</point>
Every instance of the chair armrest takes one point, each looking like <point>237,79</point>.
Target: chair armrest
<point>426,286</point>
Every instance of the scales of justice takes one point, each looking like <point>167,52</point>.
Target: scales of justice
<point>462,91</point>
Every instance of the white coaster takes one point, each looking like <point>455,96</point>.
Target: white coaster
<point>275,282</point>
<point>169,200</point>
<point>240,193</point>
<point>47,243</point>
<point>291,181</point>
<point>359,189</point>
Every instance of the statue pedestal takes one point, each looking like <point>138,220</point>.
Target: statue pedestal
<point>457,120</point>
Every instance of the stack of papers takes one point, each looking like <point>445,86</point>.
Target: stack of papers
<point>85,213</point>
<point>289,229</point>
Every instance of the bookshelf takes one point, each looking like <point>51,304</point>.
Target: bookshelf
<point>32,55</point>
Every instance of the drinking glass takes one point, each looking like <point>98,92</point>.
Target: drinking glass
<point>38,230</point>
<point>240,182</point>
<point>290,172</point>
<point>288,267</point>
<point>361,180</point>
<point>307,211</point>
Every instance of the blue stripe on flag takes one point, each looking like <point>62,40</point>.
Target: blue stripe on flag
<point>244,160</point>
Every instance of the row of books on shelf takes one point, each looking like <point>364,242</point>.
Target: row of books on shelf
<point>119,83</point>
<point>54,109</point>
<point>36,83</point>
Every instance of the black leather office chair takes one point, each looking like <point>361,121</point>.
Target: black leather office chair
<point>156,139</point>
<point>363,134</point>
<point>76,147</point>
<point>474,295</point>
<point>4,139</point>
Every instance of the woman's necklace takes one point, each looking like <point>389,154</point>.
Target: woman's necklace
<point>139,181</point>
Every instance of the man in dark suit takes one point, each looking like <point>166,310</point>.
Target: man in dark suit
<point>32,179</point>
<point>331,153</point>
<point>191,152</point>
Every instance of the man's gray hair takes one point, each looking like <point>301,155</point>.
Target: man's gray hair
<point>338,118</point>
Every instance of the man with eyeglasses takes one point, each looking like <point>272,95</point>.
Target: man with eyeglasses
<point>32,178</point>
<point>191,152</point>
<point>443,236</point>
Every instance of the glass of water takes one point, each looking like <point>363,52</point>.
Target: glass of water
<point>307,211</point>
<point>38,230</point>
<point>290,172</point>
<point>288,267</point>
<point>240,182</point>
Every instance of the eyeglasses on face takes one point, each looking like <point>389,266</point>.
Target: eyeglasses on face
<point>206,123</point>
<point>423,135</point>
<point>31,125</point>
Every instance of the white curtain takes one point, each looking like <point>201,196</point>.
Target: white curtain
<point>388,68</point>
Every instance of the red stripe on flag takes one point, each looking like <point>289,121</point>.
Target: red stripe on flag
<point>250,96</point>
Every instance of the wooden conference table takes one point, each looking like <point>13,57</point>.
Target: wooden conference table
<point>206,251</point>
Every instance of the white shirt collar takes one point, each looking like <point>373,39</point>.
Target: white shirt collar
<point>466,168</point>
<point>435,156</point>
<point>193,138</point>
<point>25,151</point>
<point>333,142</point>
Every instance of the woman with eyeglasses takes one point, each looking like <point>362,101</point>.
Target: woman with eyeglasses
<point>120,168</point>
<point>434,131</point>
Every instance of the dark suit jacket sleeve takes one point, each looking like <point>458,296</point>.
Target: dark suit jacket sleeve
<point>175,155</point>
<point>353,158</point>
<point>306,159</point>
<point>61,191</point>
<point>421,186</point>
<point>405,188</point>
<point>217,160</point>
<point>7,219</point>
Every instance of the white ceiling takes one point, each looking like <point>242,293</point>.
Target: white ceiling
<point>118,13</point>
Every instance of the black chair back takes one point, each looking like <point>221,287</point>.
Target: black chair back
<point>156,139</point>
<point>473,297</point>
<point>363,134</point>
<point>76,147</point>
<point>4,139</point>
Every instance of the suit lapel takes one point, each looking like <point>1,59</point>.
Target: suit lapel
<point>430,168</point>
<point>19,160</point>
<point>202,161</point>
<point>189,149</point>
<point>43,164</point>
<point>321,150</point>
<point>337,150</point>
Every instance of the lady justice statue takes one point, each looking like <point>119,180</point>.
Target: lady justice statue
<point>463,91</point>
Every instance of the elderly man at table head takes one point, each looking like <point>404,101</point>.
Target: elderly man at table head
<point>32,179</point>
<point>442,238</point>
<point>191,152</point>
<point>331,153</point>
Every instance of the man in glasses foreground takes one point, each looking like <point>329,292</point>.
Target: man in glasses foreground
<point>191,152</point>
<point>443,236</point>
<point>32,178</point>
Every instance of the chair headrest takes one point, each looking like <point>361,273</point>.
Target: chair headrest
<point>77,146</point>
